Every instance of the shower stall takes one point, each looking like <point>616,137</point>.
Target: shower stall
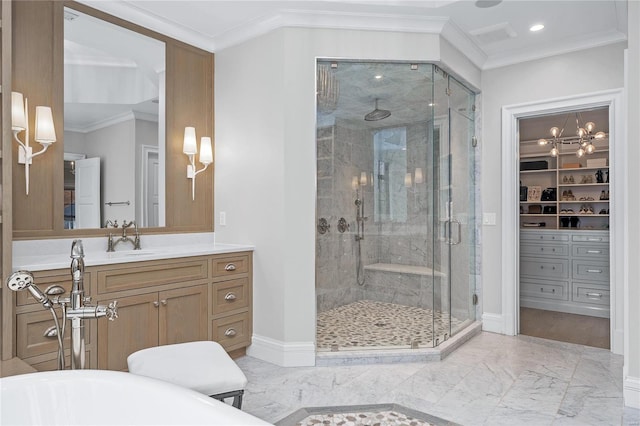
<point>396,223</point>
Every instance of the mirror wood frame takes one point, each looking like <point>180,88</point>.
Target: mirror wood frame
<point>38,72</point>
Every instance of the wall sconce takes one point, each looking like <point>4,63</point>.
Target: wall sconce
<point>190,148</point>
<point>416,178</point>
<point>45,132</point>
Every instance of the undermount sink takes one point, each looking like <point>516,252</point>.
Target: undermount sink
<point>128,253</point>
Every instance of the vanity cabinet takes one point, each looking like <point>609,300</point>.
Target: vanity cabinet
<point>159,302</point>
<point>176,315</point>
<point>565,271</point>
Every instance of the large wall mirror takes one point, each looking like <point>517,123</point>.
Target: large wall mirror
<point>114,124</point>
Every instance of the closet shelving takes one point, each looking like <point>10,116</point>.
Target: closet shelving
<point>581,200</point>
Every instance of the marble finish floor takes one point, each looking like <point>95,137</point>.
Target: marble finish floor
<point>490,380</point>
<point>366,324</point>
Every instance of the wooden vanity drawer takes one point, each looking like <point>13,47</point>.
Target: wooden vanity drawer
<point>31,339</point>
<point>46,280</point>
<point>233,331</point>
<point>556,290</point>
<point>545,268</point>
<point>586,293</point>
<point>227,296</point>
<point>550,249</point>
<point>230,265</point>
<point>591,270</point>
<point>153,273</point>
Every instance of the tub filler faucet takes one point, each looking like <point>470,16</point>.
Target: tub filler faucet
<point>74,308</point>
<point>135,240</point>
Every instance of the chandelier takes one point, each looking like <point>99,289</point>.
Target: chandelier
<point>584,138</point>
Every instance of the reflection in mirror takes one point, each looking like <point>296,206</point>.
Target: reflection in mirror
<point>390,155</point>
<point>114,108</point>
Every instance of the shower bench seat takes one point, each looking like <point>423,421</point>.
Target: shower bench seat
<point>403,269</point>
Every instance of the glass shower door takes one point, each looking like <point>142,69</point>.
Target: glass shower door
<point>454,190</point>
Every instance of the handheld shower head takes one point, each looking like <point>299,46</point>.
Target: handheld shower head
<point>23,280</point>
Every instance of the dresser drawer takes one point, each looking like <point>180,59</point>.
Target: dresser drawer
<point>233,331</point>
<point>32,329</point>
<point>556,290</point>
<point>227,296</point>
<point>586,293</point>
<point>548,250</point>
<point>230,265</point>
<point>544,268</point>
<point>591,238</point>
<point>543,236</point>
<point>591,270</point>
<point>590,251</point>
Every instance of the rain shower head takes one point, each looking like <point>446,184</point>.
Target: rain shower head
<point>377,114</point>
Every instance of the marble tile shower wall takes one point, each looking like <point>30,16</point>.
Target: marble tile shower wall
<point>343,153</point>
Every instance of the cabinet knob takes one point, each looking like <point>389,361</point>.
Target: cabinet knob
<point>156,304</point>
<point>230,296</point>
<point>230,332</point>
<point>164,302</point>
<point>230,267</point>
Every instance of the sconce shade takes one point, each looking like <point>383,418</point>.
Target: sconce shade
<point>206,154</point>
<point>407,180</point>
<point>45,130</point>
<point>354,183</point>
<point>363,179</point>
<point>189,147</point>
<point>418,176</point>
<point>18,119</point>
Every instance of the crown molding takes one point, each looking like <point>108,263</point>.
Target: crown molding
<point>595,40</point>
<point>131,13</point>
<point>331,20</point>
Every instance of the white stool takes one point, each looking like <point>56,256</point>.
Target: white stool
<point>204,367</point>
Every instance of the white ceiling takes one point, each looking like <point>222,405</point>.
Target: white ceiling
<point>490,37</point>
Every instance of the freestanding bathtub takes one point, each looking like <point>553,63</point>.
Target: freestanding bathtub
<point>101,397</point>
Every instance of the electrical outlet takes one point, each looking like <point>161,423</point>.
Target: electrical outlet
<point>223,219</point>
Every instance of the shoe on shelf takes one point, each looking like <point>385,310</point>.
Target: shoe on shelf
<point>589,209</point>
<point>570,196</point>
<point>571,180</point>
<point>564,195</point>
<point>563,211</point>
<point>603,211</point>
<point>602,195</point>
<point>569,211</point>
<point>565,179</point>
<point>583,209</point>
<point>607,195</point>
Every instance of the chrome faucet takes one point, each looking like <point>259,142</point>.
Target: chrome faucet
<point>135,241</point>
<point>78,311</point>
<point>74,307</point>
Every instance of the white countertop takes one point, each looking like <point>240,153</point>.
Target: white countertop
<point>38,255</point>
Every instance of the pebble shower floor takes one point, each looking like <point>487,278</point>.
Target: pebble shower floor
<point>378,324</point>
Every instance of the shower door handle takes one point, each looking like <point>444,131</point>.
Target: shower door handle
<point>459,226</point>
<point>448,234</point>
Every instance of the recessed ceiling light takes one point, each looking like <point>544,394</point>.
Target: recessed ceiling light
<point>378,77</point>
<point>487,3</point>
<point>536,27</point>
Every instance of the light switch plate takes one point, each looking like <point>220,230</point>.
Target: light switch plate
<point>489,219</point>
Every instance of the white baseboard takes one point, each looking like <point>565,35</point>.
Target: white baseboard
<point>285,354</point>
<point>631,392</point>
<point>492,323</point>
